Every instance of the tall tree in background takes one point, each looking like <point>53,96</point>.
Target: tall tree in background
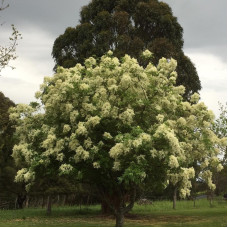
<point>220,129</point>
<point>127,27</point>
<point>8,169</point>
<point>8,52</point>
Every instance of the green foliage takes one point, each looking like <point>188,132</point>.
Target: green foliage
<point>8,169</point>
<point>127,27</point>
<point>220,128</point>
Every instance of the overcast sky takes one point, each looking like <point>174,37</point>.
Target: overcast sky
<point>41,22</point>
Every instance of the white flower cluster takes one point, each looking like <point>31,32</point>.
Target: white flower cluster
<point>204,164</point>
<point>96,165</point>
<point>84,86</point>
<point>181,121</point>
<point>160,118</point>
<point>127,116</point>
<point>81,130</point>
<point>22,150</point>
<point>207,177</point>
<point>164,131</point>
<point>219,168</point>
<point>81,154</point>
<point>173,162</point>
<point>142,138</point>
<point>73,116</point>
<point>125,81</point>
<point>147,54</point>
<point>90,62</point>
<point>184,179</point>
<point>25,175</point>
<point>106,109</point>
<point>107,135</point>
<point>66,128</point>
<point>167,66</point>
<point>88,143</point>
<point>117,150</point>
<point>116,166</point>
<point>49,142</point>
<point>93,121</point>
<point>195,98</point>
<point>65,168</point>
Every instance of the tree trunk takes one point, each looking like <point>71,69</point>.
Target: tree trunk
<point>119,219</point>
<point>58,200</point>
<point>27,202</point>
<point>88,198</point>
<point>105,209</point>
<point>20,200</point>
<point>194,199</point>
<point>174,198</point>
<point>80,204</point>
<point>43,202</point>
<point>16,203</point>
<point>116,202</point>
<point>210,200</point>
<point>49,205</point>
<point>64,200</point>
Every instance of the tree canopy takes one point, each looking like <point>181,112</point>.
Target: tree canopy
<point>220,129</point>
<point>127,27</point>
<point>7,166</point>
<point>116,125</point>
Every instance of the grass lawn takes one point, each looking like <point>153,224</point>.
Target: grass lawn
<point>160,213</point>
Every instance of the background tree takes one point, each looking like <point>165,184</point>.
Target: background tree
<point>8,52</point>
<point>127,27</point>
<point>116,125</point>
<point>7,167</point>
<point>8,170</point>
<point>220,128</point>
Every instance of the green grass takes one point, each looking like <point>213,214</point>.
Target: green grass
<point>160,213</point>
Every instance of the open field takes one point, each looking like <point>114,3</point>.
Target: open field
<point>160,213</point>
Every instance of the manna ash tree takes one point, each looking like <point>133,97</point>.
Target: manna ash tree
<point>116,125</point>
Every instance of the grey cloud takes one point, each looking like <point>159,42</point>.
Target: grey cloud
<point>52,15</point>
<point>204,23</point>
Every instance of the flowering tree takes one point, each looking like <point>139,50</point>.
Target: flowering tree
<point>116,125</point>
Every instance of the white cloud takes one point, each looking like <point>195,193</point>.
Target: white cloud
<point>33,63</point>
<point>213,75</point>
